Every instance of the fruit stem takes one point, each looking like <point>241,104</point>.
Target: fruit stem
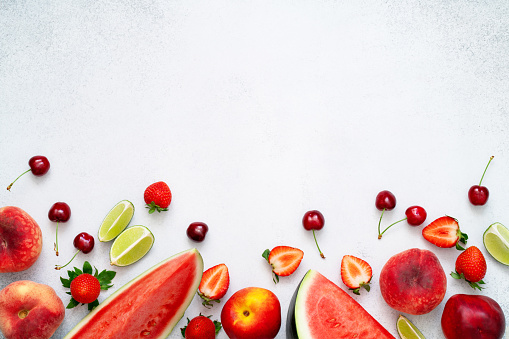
<point>491,158</point>
<point>56,240</point>
<point>58,267</point>
<point>379,221</point>
<point>12,183</point>
<point>394,223</point>
<point>321,254</point>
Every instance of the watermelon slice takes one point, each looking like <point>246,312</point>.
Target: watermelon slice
<point>319,309</point>
<point>149,306</point>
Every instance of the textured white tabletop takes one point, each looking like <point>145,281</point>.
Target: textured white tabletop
<point>254,112</point>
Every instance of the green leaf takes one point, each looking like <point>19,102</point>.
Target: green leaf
<point>105,278</point>
<point>93,305</point>
<point>275,278</point>
<point>265,254</point>
<point>72,275</point>
<point>77,271</point>
<point>65,282</point>
<point>183,329</point>
<point>73,303</point>
<point>456,275</point>
<point>218,326</point>
<point>87,268</point>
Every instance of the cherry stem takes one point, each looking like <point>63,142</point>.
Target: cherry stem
<point>56,240</point>
<point>12,183</point>
<point>394,223</point>
<point>491,158</point>
<point>58,267</point>
<point>321,254</point>
<point>379,221</point>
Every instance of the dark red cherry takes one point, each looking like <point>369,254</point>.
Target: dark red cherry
<point>313,220</point>
<point>477,194</point>
<point>415,215</point>
<point>59,212</point>
<point>39,165</point>
<point>84,242</point>
<point>385,200</point>
<point>197,231</point>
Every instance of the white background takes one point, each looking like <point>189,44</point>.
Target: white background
<point>254,112</point>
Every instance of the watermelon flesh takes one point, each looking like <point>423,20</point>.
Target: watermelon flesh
<point>149,306</point>
<point>320,309</point>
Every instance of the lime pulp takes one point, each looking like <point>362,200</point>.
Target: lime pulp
<point>131,245</point>
<point>116,220</point>
<point>496,242</point>
<point>407,330</point>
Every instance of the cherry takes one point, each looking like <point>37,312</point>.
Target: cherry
<point>314,220</point>
<point>84,242</point>
<point>197,231</point>
<point>385,200</point>
<point>39,165</point>
<point>477,194</point>
<point>59,212</point>
<point>415,216</point>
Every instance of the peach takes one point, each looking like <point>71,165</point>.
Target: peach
<point>29,310</point>
<point>413,281</point>
<point>20,240</point>
<point>252,313</point>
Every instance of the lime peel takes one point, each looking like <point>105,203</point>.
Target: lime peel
<point>407,330</point>
<point>131,245</point>
<point>116,221</point>
<point>496,242</point>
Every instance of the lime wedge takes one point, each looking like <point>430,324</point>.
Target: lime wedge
<point>407,330</point>
<point>496,241</point>
<point>116,220</point>
<point>131,245</point>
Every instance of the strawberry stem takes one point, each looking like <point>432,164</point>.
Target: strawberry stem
<point>58,267</point>
<point>12,183</point>
<point>394,223</point>
<point>491,158</point>
<point>321,254</point>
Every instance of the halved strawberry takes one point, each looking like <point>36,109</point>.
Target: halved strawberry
<point>445,232</point>
<point>284,260</point>
<point>214,284</point>
<point>355,273</point>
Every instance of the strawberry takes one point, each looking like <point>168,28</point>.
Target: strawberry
<point>86,285</point>
<point>284,260</point>
<point>355,273</point>
<point>214,284</point>
<point>157,197</point>
<point>445,232</point>
<point>201,327</point>
<point>471,266</point>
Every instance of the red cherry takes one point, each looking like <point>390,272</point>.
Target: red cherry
<point>197,231</point>
<point>59,212</point>
<point>385,200</point>
<point>314,220</point>
<point>415,215</point>
<point>39,165</point>
<point>84,242</point>
<point>477,194</point>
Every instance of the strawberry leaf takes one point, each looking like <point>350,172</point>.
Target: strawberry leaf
<point>265,254</point>
<point>65,282</point>
<point>87,268</point>
<point>218,326</point>
<point>93,305</point>
<point>105,278</point>
<point>456,275</point>
<point>183,329</point>
<point>152,207</point>
<point>73,303</point>
<point>207,301</point>
<point>275,278</point>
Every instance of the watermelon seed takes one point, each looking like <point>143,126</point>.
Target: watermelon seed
<point>145,333</point>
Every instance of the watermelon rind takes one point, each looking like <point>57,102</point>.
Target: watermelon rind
<point>297,314</point>
<point>192,287</point>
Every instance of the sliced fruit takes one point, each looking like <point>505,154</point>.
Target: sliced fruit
<point>214,284</point>
<point>407,330</point>
<point>131,245</point>
<point>320,309</point>
<point>150,305</point>
<point>284,260</point>
<point>445,232</point>
<point>116,220</point>
<point>355,273</point>
<point>496,241</point>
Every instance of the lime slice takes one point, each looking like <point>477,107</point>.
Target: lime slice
<point>496,241</point>
<point>116,220</point>
<point>407,330</point>
<point>131,245</point>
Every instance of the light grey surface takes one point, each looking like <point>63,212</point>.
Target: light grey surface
<point>253,113</point>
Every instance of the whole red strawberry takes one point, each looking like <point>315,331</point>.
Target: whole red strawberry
<point>471,266</point>
<point>157,197</point>
<point>85,288</point>
<point>201,327</point>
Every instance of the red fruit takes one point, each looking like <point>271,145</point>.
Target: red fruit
<point>355,273</point>
<point>39,165</point>
<point>385,200</point>
<point>445,232</point>
<point>477,194</point>
<point>284,260</point>
<point>200,327</point>
<point>471,266</point>
<point>197,231</point>
<point>59,212</point>
<point>85,288</point>
<point>214,284</point>
<point>314,220</point>
<point>157,197</point>
<point>415,216</point>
